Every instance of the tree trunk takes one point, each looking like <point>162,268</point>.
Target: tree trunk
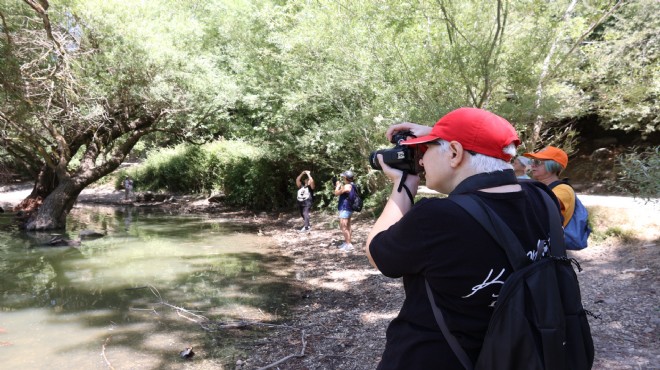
<point>44,184</point>
<point>534,131</point>
<point>55,207</point>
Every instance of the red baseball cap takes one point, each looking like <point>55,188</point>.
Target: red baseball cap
<point>550,152</point>
<point>476,129</point>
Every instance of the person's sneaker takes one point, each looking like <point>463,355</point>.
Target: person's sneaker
<point>304,229</point>
<point>342,246</point>
<point>346,247</point>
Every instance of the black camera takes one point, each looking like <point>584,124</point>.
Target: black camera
<point>402,157</point>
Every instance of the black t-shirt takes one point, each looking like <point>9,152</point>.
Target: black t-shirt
<point>465,267</point>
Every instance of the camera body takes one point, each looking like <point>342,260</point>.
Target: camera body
<point>402,157</point>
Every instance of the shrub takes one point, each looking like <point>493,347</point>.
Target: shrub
<point>639,173</point>
<point>246,174</point>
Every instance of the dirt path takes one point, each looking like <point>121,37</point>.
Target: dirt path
<point>14,194</point>
<point>345,305</point>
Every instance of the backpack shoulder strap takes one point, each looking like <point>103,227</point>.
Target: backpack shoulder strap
<point>554,183</point>
<point>563,181</point>
<point>557,244</point>
<point>504,236</point>
<point>496,227</point>
<point>449,337</point>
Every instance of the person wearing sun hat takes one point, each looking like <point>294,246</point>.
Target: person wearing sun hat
<point>468,151</point>
<point>547,165</point>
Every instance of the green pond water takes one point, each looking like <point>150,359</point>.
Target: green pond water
<point>109,302</point>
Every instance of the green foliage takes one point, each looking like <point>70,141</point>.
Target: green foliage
<point>639,173</point>
<point>184,168</point>
<point>621,68</point>
<point>248,176</point>
<point>257,183</point>
<point>314,85</point>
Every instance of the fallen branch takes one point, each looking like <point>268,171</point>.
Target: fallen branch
<point>635,270</point>
<point>301,354</point>
<point>186,317</point>
<point>144,309</point>
<point>180,309</point>
<point>107,362</point>
<point>212,326</point>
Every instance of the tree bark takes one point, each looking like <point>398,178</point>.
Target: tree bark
<point>44,184</point>
<point>55,207</point>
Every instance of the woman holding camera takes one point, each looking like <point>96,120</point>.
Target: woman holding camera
<point>345,210</point>
<point>305,197</point>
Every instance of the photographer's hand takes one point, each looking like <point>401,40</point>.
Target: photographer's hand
<point>416,129</point>
<point>339,188</point>
<point>397,205</point>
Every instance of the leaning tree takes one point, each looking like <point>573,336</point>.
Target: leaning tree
<point>76,99</point>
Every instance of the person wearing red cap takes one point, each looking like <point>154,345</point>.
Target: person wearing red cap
<point>468,151</point>
<point>547,165</point>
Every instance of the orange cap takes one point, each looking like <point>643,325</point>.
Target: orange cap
<point>550,152</point>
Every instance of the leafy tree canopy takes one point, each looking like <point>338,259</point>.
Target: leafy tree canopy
<point>313,84</point>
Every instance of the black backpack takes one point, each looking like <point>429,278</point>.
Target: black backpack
<point>538,321</point>
<point>354,198</point>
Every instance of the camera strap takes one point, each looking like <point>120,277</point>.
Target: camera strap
<point>486,180</point>
<point>402,184</point>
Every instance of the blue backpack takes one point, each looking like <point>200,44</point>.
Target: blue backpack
<point>576,232</point>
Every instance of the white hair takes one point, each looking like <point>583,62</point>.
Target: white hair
<point>483,163</point>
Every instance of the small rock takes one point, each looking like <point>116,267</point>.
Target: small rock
<point>187,353</point>
<point>61,242</point>
<point>90,234</point>
<point>216,198</point>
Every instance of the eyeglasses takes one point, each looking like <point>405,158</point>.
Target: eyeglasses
<point>426,145</point>
<point>537,162</point>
